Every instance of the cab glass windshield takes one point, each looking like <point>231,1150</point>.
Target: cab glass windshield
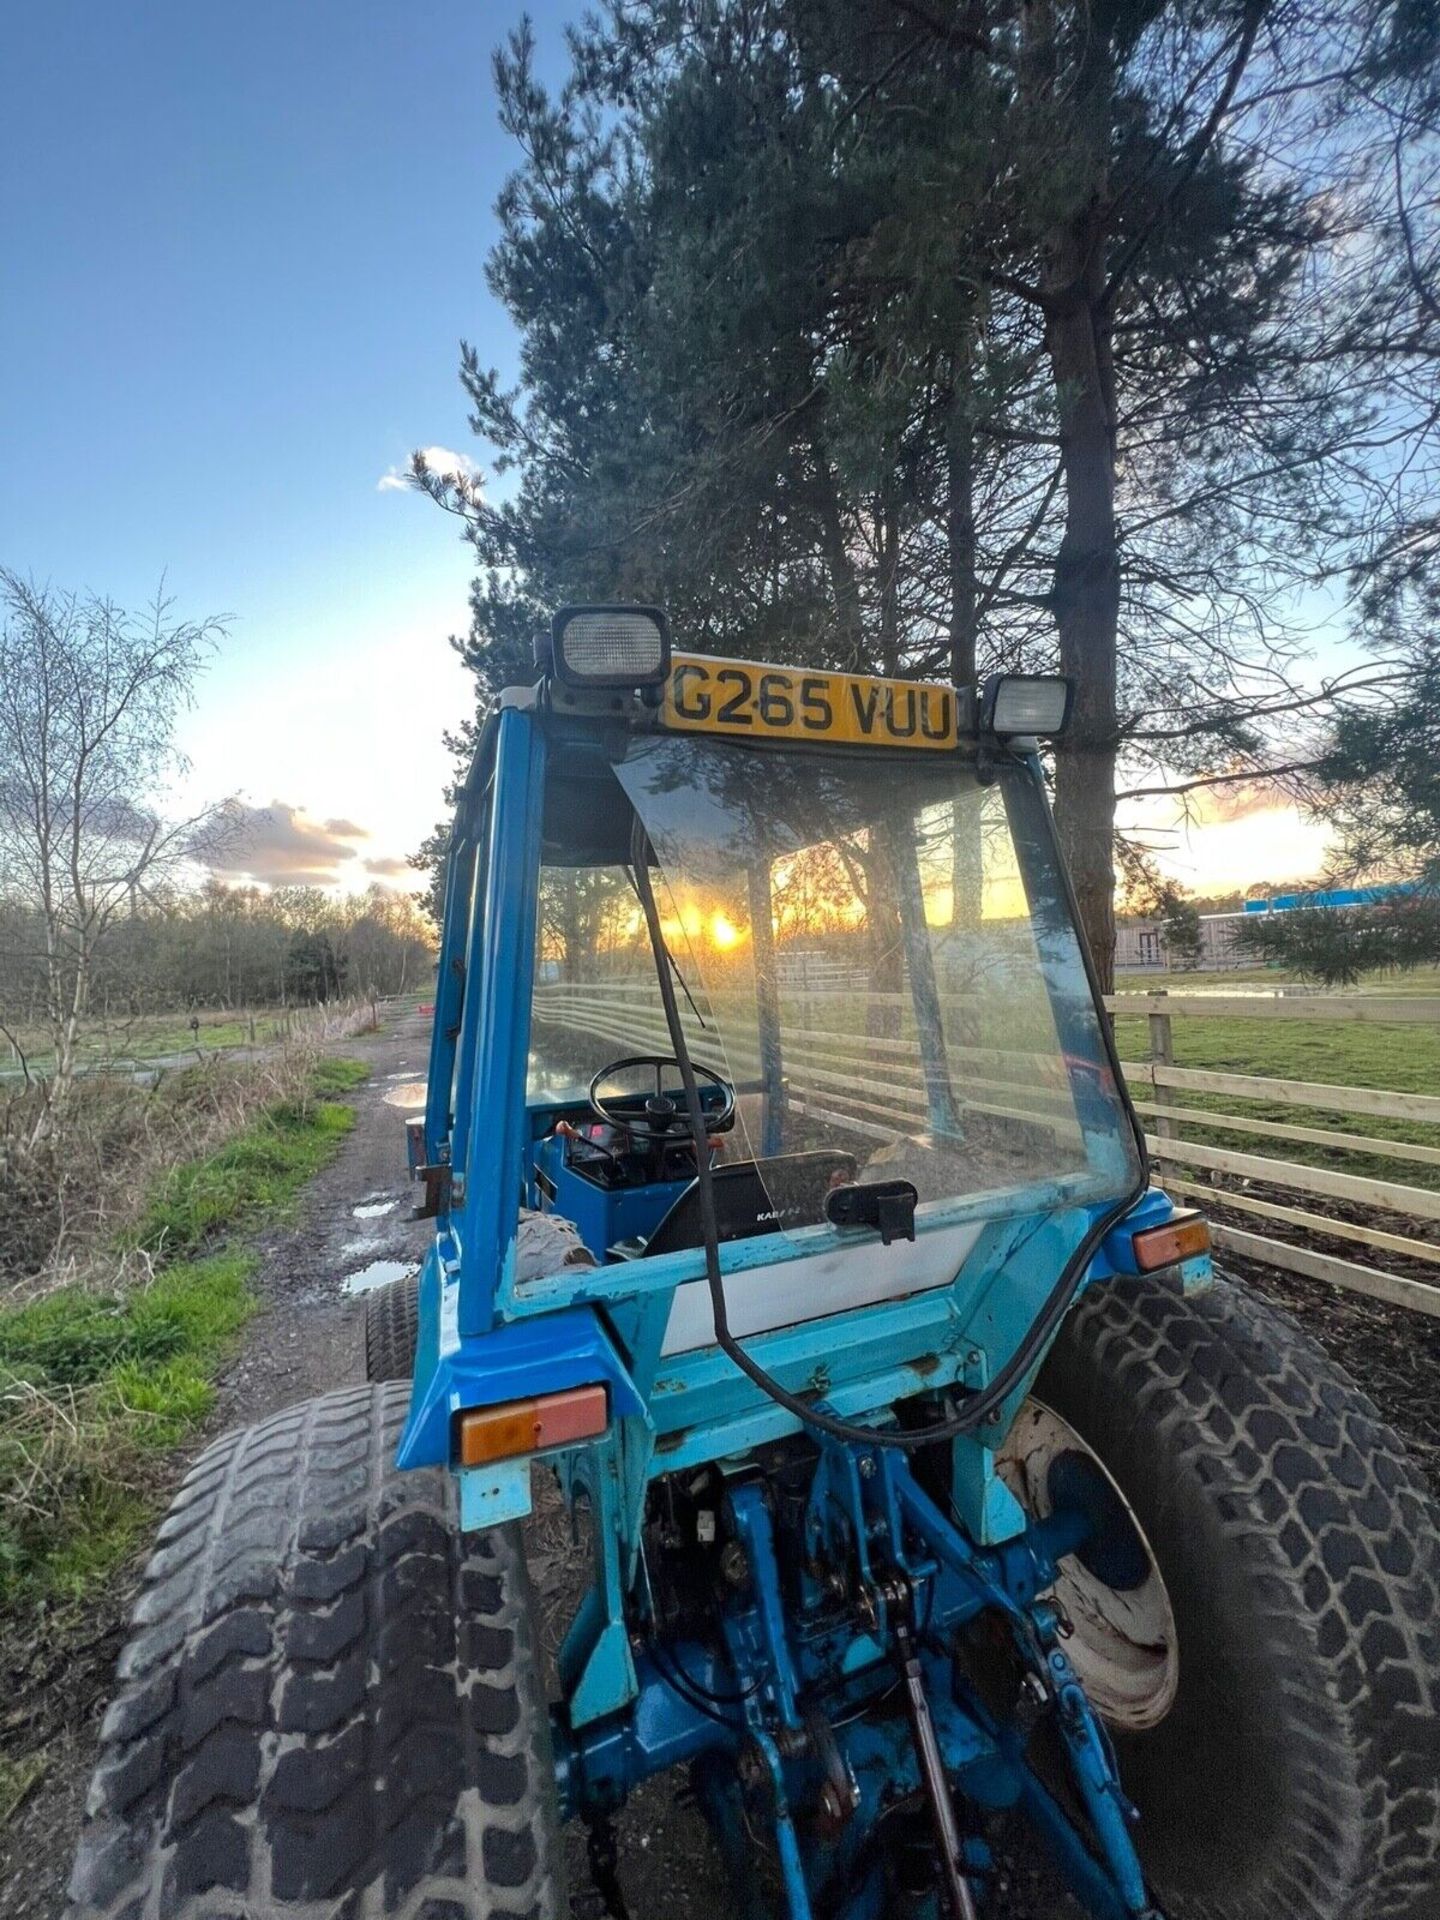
<point>879,955</point>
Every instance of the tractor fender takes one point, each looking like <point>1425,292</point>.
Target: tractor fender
<point>511,1362</point>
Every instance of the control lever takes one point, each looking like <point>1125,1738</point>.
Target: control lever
<point>932,1776</point>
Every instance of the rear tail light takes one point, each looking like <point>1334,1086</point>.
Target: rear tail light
<point>1183,1236</point>
<point>529,1426</point>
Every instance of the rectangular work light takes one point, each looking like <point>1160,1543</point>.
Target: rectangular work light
<point>610,646</point>
<point>1026,703</point>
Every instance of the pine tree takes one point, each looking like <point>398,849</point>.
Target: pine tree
<point>935,336</point>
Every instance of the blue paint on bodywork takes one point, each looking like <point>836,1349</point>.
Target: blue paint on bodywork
<point>489,1496</point>
<point>602,1215</point>
<point>491,1135</point>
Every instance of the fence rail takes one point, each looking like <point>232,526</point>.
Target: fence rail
<point>1180,1159</point>
<point>881,1079</point>
<point>1372,1007</point>
<point>880,1083</point>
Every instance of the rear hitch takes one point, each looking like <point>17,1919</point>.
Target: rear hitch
<point>833,1699</point>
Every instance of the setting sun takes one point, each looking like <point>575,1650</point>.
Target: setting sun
<point>724,934</point>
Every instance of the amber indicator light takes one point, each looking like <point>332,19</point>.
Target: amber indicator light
<point>528,1426</point>
<point>1183,1236</point>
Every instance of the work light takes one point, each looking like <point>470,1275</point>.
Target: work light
<point>610,646</point>
<point>1021,703</point>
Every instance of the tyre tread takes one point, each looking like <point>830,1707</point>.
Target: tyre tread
<point>1320,1502</point>
<point>392,1329</point>
<point>296,1731</point>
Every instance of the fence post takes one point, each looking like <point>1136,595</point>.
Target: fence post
<point>1162,1053</point>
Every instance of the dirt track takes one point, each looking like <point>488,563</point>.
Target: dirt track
<point>309,1338</point>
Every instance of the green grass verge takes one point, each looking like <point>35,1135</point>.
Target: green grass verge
<point>255,1177</point>
<point>95,1385</point>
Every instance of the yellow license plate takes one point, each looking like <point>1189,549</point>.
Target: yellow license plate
<point>755,702</point>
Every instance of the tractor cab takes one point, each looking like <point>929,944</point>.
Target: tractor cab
<point>878,979</point>
<point>837,903</point>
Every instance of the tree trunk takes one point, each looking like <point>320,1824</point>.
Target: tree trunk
<point>960,540</point>
<point>844,587</point>
<point>1087,569</point>
<point>966,877</point>
<point>887,526</point>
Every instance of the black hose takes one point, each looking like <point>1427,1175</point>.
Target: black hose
<point>987,1399</point>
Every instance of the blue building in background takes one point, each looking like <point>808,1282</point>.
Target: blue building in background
<point>1328,897</point>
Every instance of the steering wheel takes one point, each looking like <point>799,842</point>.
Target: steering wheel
<point>655,1116</point>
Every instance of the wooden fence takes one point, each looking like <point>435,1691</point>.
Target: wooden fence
<point>880,1084</point>
<point>1257,1183</point>
<point>880,1081</point>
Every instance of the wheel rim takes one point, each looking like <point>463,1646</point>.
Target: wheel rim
<point>1124,1646</point>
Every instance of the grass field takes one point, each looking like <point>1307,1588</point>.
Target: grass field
<point>94,1385</point>
<point>1402,1057</point>
<point>1419,980</point>
<point>157,1036</point>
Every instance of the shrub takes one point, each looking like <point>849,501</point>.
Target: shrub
<point>1337,946</point>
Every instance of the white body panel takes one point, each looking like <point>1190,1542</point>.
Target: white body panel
<point>835,1280</point>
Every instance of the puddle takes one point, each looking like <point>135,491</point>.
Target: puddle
<point>375,1275</point>
<point>411,1093</point>
<point>372,1209</point>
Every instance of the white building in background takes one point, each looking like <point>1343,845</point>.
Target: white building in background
<point>1141,946</point>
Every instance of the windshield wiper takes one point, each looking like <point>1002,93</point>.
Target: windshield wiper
<point>658,940</point>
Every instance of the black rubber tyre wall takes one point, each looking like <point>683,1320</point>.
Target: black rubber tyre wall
<point>392,1329</point>
<point>1297,1776</point>
<point>330,1703</point>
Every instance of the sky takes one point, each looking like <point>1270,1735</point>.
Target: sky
<point>242,245</point>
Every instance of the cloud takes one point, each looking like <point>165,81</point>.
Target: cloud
<point>1239,799</point>
<point>320,877</point>
<point>388,867</point>
<point>439,460</point>
<point>281,846</point>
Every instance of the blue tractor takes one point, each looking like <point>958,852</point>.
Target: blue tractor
<point>946,1512</point>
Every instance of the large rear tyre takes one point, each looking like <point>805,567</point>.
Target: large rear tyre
<point>1278,1716</point>
<point>330,1702</point>
<point>392,1329</point>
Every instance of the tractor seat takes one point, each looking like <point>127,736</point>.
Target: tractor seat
<point>751,1197</point>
